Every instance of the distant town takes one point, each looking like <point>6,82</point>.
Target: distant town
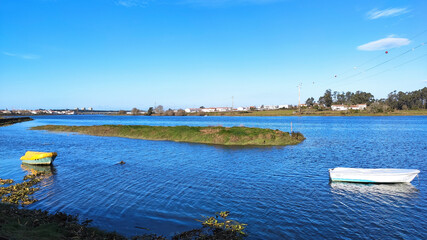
<point>135,111</point>
<point>171,112</point>
<point>332,101</point>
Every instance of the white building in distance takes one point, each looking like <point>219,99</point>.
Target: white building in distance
<point>284,106</point>
<point>208,109</point>
<point>192,110</point>
<point>212,109</point>
<point>346,107</point>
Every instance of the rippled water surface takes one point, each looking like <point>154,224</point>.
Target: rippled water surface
<point>280,192</point>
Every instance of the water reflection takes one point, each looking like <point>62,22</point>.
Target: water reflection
<point>49,170</point>
<point>383,192</point>
<point>165,185</point>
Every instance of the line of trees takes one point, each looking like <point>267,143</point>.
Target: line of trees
<point>159,110</point>
<point>394,101</point>
<point>348,98</point>
<point>409,100</point>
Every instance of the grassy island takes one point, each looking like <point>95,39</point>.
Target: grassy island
<point>238,136</point>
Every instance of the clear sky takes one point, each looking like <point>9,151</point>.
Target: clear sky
<point>119,54</point>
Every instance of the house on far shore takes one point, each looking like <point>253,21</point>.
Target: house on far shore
<point>346,107</point>
<point>284,106</point>
<point>271,107</point>
<point>223,109</point>
<point>192,110</point>
<point>243,109</point>
<point>6,112</point>
<point>339,107</point>
<point>208,109</point>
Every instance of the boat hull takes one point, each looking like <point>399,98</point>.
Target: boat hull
<point>364,175</point>
<point>38,158</point>
<point>41,161</point>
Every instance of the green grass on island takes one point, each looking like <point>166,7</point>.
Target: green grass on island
<point>237,136</point>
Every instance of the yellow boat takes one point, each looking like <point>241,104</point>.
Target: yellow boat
<point>38,158</point>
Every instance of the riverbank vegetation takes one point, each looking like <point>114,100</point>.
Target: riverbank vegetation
<point>10,121</point>
<point>21,223</point>
<point>238,136</point>
<point>21,193</point>
<point>18,223</point>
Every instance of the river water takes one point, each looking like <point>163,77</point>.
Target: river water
<point>280,192</point>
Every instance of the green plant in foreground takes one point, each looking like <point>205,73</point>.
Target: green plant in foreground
<point>220,221</point>
<point>19,193</point>
<point>21,223</point>
<point>5,181</point>
<point>216,227</point>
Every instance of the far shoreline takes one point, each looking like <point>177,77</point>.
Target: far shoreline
<point>266,113</point>
<point>310,112</point>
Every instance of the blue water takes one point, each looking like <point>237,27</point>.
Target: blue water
<point>280,192</point>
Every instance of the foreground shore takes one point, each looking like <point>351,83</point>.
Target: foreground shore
<point>19,223</point>
<point>232,136</point>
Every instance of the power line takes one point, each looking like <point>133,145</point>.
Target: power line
<point>390,69</point>
<point>356,67</point>
<point>376,57</point>
<point>382,63</point>
<point>418,34</point>
<point>299,94</point>
<point>410,50</point>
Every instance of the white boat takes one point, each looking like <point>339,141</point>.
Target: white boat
<point>367,175</point>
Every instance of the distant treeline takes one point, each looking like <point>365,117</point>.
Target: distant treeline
<point>394,101</point>
<point>409,100</point>
<point>159,111</point>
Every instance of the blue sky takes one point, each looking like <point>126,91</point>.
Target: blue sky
<point>119,54</point>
